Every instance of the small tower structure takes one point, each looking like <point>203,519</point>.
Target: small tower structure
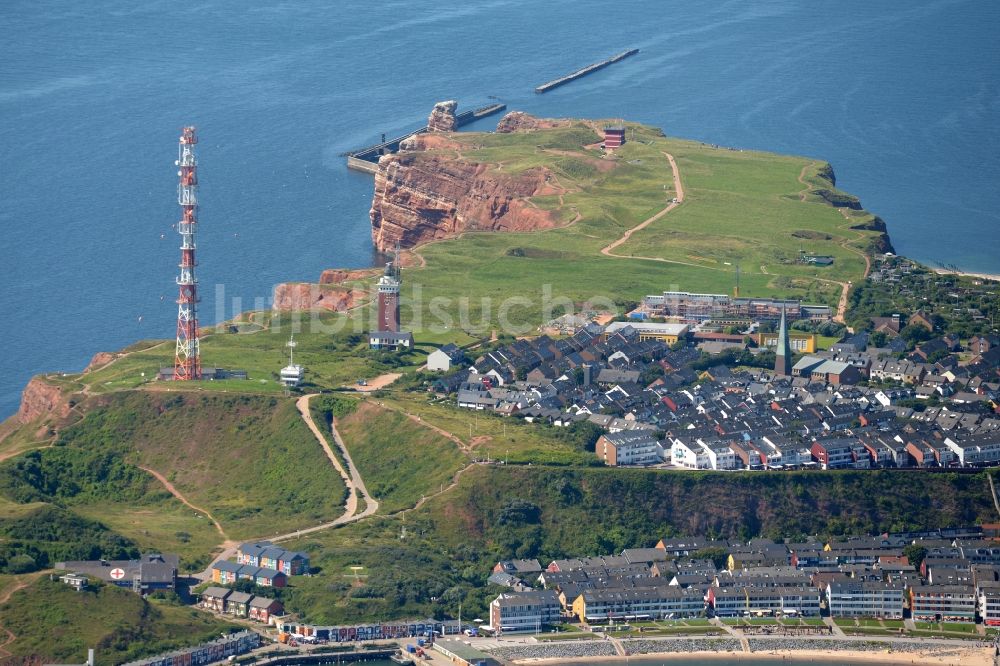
<point>783,351</point>
<point>386,333</point>
<point>388,298</point>
<point>292,375</point>
<point>187,354</point>
<point>614,136</point>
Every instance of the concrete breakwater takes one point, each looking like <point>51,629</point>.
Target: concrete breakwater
<point>366,159</point>
<point>589,69</point>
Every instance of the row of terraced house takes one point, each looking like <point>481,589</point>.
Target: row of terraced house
<point>262,562</point>
<point>958,581</point>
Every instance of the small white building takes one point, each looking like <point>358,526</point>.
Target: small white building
<point>444,358</point>
<point>689,454</point>
<point>292,374</point>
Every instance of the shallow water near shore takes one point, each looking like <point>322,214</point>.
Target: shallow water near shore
<point>903,100</point>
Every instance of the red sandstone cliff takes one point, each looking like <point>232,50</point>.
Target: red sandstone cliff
<point>40,398</point>
<point>421,195</point>
<point>340,276</point>
<point>519,121</point>
<point>306,296</point>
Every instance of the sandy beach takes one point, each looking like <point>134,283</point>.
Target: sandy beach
<point>984,276</point>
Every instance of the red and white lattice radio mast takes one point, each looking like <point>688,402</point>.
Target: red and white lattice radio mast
<point>187,358</point>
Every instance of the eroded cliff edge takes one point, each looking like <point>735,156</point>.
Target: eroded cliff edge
<point>430,191</point>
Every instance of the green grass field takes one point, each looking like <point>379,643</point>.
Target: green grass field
<point>248,460</point>
<point>740,208</point>
<point>398,475</point>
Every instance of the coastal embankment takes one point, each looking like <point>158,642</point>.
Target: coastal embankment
<point>761,651</point>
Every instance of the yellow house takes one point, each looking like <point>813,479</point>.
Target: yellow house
<point>580,607</point>
<point>801,343</point>
<point>667,333</point>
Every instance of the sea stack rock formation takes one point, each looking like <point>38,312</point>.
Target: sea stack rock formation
<point>442,118</point>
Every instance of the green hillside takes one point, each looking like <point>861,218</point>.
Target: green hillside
<point>499,512</point>
<point>248,460</point>
<point>400,460</point>
<point>55,624</point>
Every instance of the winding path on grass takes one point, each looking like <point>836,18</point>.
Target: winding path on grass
<point>176,493</point>
<point>845,287</point>
<point>20,585</point>
<point>350,476</point>
<point>352,479</point>
<point>679,188</point>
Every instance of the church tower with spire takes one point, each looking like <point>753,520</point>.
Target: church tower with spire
<point>783,352</point>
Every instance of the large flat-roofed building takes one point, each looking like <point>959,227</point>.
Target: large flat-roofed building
<point>629,447</point>
<point>149,573</point>
<point>639,603</point>
<point>668,333</point>
<point>854,598</point>
<point>695,307</point>
<point>524,611</point>
<point>949,603</point>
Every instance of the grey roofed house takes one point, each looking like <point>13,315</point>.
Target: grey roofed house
<point>612,376</point>
<point>227,566</point>
<point>216,592</point>
<point>390,339</point>
<point>505,580</point>
<point>521,566</point>
<point>644,555</point>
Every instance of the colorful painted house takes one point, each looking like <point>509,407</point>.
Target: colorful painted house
<point>265,554</point>
<point>225,572</point>
<point>263,609</point>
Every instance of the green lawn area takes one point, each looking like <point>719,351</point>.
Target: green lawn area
<point>845,622</point>
<point>962,627</point>
<point>167,526</point>
<point>398,476</point>
<point>495,437</point>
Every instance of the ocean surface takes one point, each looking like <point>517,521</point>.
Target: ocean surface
<point>902,98</point>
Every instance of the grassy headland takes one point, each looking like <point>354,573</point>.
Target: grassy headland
<point>55,624</point>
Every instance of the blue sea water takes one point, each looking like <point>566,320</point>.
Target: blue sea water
<point>902,98</point>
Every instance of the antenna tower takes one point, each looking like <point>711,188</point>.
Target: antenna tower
<point>187,356</point>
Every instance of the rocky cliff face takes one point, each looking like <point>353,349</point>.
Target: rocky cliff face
<point>423,196</point>
<point>519,121</point>
<point>41,399</point>
<point>340,276</point>
<point>290,296</point>
<point>442,118</point>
